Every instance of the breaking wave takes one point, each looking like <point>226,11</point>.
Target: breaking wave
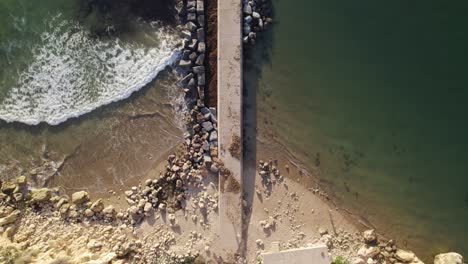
<point>72,73</point>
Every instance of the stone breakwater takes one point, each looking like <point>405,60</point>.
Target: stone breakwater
<point>256,18</point>
<point>201,138</point>
<point>194,48</point>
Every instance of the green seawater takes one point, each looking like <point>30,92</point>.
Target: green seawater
<point>373,97</point>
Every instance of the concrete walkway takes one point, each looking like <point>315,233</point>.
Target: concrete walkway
<point>229,123</point>
<point>314,254</point>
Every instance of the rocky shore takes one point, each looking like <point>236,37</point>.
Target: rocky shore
<point>257,17</point>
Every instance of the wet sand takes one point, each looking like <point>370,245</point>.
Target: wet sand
<point>107,150</point>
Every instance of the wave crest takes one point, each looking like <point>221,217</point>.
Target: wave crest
<point>73,74</point>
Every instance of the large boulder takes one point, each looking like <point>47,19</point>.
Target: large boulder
<point>80,197</point>
<point>448,258</point>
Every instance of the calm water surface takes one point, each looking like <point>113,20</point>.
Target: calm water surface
<point>372,96</point>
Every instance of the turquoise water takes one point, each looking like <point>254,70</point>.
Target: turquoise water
<point>372,97</point>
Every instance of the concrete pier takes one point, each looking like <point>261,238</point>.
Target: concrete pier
<point>313,254</point>
<point>229,124</point>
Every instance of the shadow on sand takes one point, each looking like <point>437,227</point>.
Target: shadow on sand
<point>255,58</point>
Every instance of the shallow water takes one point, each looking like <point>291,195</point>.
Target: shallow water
<point>371,97</point>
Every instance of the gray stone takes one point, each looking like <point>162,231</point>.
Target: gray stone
<point>186,79</point>
<point>200,8</point>
<point>201,47</point>
<point>193,56</point>
<point>186,34</point>
<point>448,258</point>
<point>200,59</point>
<point>201,20</point>
<point>255,15</point>
<point>208,126</point>
<point>260,23</point>
<point>247,30</point>
<point>192,83</point>
<point>205,145</point>
<point>191,3</point>
<point>248,19</point>
<point>201,78</point>
<point>185,63</point>
<point>191,26</point>
<point>213,135</point>
<point>245,40</point>
<point>205,110</point>
<point>198,69</point>
<point>191,16</point>
<point>185,54</point>
<point>201,92</point>
<point>185,43</point>
<point>252,35</point>
<point>201,34</point>
<point>207,158</point>
<point>192,10</point>
<point>214,168</point>
<point>193,44</point>
<point>213,111</point>
<point>247,9</point>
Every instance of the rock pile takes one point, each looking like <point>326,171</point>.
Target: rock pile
<point>257,17</point>
<point>374,251</point>
<point>194,48</point>
<point>270,174</point>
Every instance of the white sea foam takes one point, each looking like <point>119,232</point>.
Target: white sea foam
<point>73,74</point>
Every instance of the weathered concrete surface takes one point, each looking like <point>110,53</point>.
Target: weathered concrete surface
<point>229,122</point>
<point>315,255</point>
